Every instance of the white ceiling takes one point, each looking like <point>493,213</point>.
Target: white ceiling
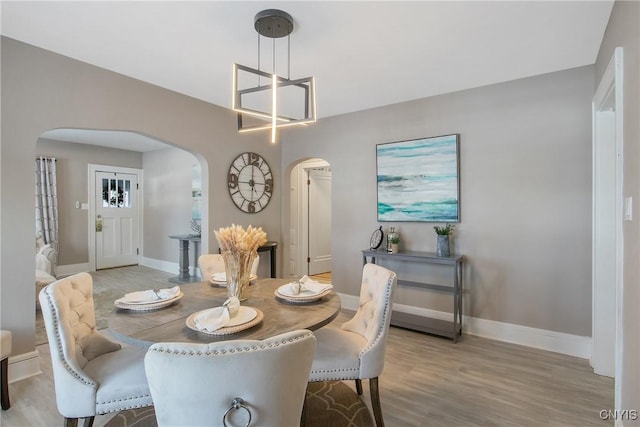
<point>362,54</point>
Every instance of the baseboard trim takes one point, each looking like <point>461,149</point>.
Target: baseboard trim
<point>23,366</point>
<point>559,342</point>
<point>166,266</point>
<point>69,269</point>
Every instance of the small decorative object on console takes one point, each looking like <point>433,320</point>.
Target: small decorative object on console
<point>393,239</point>
<point>443,233</point>
<point>376,238</point>
<point>195,227</point>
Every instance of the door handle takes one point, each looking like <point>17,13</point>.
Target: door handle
<point>98,225</point>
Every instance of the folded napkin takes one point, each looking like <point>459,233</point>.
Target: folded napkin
<point>218,277</point>
<point>304,285</point>
<point>151,295</point>
<point>213,319</point>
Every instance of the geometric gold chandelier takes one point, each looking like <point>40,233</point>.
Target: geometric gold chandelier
<point>268,101</point>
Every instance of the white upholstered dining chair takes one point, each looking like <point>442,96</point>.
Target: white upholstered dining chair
<point>236,381</point>
<point>355,351</point>
<point>214,263</point>
<point>92,375</point>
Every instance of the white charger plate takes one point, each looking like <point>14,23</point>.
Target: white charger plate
<point>246,318</point>
<point>148,306</point>
<point>302,297</point>
<point>124,299</point>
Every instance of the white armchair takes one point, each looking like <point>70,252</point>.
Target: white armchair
<point>46,260</point>
<point>356,350</point>
<point>92,375</point>
<point>195,384</point>
<point>46,256</point>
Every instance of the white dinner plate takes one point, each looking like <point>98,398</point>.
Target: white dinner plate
<point>148,306</point>
<point>246,318</point>
<point>304,296</point>
<point>133,297</point>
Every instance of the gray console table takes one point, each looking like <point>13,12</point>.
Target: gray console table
<point>445,328</point>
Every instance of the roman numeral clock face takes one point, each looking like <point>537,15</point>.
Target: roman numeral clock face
<point>250,182</point>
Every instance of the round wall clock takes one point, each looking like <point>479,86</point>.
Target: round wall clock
<point>250,182</point>
<point>376,238</point>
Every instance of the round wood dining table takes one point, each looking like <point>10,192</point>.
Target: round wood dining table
<point>168,324</point>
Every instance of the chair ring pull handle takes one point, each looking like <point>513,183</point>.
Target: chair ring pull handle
<point>236,403</point>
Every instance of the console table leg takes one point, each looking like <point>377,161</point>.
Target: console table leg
<point>461,287</point>
<point>184,260</point>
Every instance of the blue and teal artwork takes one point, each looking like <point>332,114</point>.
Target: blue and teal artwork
<point>418,180</point>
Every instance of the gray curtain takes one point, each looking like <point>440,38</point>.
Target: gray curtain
<point>47,200</point>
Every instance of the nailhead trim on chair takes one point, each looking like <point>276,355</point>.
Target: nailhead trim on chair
<point>231,350</point>
<point>59,341</point>
<point>354,374</point>
<point>123,400</point>
<point>120,408</point>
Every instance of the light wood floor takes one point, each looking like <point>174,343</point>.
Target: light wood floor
<point>427,381</point>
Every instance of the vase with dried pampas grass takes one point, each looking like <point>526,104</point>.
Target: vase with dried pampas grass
<point>239,248</point>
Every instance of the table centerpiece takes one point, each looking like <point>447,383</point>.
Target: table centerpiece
<point>239,248</point>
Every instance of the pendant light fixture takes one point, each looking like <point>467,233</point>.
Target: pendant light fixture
<point>268,101</point>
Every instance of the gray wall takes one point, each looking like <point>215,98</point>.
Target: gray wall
<point>42,90</point>
<point>623,31</point>
<point>72,166</point>
<point>167,201</point>
<point>525,153</point>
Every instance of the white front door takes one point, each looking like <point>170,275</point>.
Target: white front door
<point>319,186</point>
<point>116,219</point>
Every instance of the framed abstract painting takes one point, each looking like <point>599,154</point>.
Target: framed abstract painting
<point>419,179</point>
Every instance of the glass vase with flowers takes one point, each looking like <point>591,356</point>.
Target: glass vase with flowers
<point>239,248</point>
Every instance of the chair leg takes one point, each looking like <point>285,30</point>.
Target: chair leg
<point>359,387</point>
<point>4,378</point>
<point>375,401</point>
<point>88,422</point>
<point>303,416</point>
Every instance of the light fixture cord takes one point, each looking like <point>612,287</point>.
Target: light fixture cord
<point>258,54</point>
<point>274,56</point>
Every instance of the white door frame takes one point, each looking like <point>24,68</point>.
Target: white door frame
<point>92,207</point>
<point>607,302</point>
<point>299,216</point>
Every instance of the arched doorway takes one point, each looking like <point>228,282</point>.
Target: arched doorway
<point>177,191</point>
